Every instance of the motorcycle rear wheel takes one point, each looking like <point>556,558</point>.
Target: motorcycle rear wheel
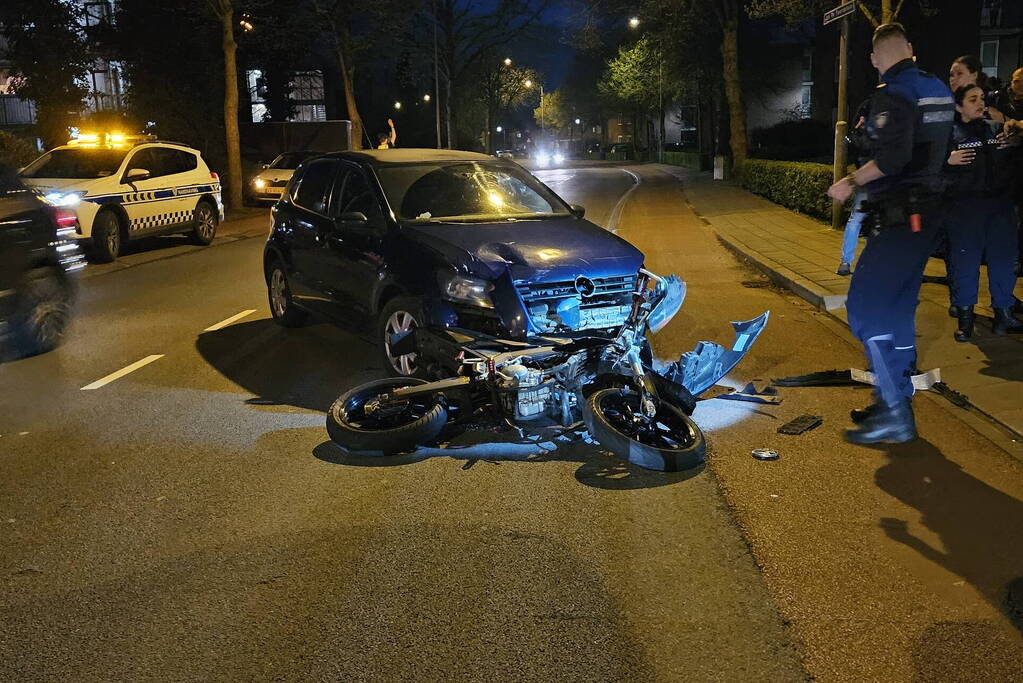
<point>670,443</point>
<point>398,429</point>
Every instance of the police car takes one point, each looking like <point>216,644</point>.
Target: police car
<point>125,187</point>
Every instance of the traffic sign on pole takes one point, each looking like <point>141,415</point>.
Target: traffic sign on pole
<point>839,12</point>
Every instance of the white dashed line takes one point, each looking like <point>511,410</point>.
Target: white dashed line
<point>225,323</point>
<point>121,373</point>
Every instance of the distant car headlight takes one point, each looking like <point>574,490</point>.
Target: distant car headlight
<point>63,198</point>
<point>464,289</point>
<point>558,158</point>
<point>543,159</point>
<point>259,183</point>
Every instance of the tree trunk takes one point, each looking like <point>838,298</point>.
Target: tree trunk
<point>353,111</point>
<point>234,154</point>
<point>733,90</point>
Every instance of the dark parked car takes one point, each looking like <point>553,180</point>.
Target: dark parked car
<point>395,239</point>
<point>37,252</point>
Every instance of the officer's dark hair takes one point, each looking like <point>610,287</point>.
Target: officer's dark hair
<point>886,31</point>
<point>383,137</point>
<point>961,91</point>
<point>973,65</point>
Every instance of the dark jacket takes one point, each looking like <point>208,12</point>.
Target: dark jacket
<point>993,171</point>
<point>910,121</point>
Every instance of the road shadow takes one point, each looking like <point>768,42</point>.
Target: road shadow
<point>597,467</point>
<point>979,527</point>
<point>306,367</point>
<point>1003,354</point>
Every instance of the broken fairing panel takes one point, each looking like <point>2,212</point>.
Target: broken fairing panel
<point>669,292</point>
<point>701,368</point>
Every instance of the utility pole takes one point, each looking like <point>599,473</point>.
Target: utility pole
<point>436,74</point>
<point>841,12</point>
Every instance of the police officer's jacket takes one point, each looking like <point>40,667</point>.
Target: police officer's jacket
<point>909,126</point>
<point>993,170</point>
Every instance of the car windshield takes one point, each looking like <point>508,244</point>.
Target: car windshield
<point>290,160</point>
<point>466,191</point>
<point>76,163</point>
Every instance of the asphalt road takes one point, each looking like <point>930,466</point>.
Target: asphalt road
<point>190,520</point>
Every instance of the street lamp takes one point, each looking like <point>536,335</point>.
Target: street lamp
<point>499,129</point>
<point>578,121</point>
<point>397,105</point>
<point>426,97</point>
<point>507,61</point>
<point>634,22</point>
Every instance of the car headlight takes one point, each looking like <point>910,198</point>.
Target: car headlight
<point>464,289</point>
<point>259,183</point>
<point>543,159</point>
<point>558,158</point>
<point>63,198</point>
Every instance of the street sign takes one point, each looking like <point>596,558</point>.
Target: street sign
<point>839,12</point>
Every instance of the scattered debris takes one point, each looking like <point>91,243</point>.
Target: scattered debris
<point>764,454</point>
<point>951,394</point>
<point>756,391</point>
<point>756,284</point>
<point>801,424</point>
<point>825,378</point>
<point>921,381</point>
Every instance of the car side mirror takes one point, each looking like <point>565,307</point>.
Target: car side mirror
<point>578,211</point>
<point>136,174</point>
<point>355,222</point>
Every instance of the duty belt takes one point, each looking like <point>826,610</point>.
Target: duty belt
<point>897,210</point>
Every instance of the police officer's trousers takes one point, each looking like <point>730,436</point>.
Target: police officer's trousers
<point>982,229</point>
<point>883,297</point>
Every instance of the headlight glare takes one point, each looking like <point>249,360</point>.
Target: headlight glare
<point>63,198</point>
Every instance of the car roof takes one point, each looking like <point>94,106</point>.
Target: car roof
<point>383,157</point>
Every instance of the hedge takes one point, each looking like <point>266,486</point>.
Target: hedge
<point>15,151</point>
<point>799,186</point>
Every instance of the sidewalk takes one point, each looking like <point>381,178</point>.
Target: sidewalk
<point>802,254</point>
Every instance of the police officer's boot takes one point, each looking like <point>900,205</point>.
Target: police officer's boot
<point>965,325</point>
<point>888,424</point>
<point>858,415</point>
<point>1006,322</point>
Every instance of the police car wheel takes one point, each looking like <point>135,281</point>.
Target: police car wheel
<point>283,309</point>
<point>106,237</point>
<point>205,224</point>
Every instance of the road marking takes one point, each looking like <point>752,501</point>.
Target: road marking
<point>121,373</point>
<point>224,323</point>
<point>616,213</point>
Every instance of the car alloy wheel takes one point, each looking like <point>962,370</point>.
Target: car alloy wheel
<point>278,292</point>
<point>400,322</point>
<point>207,225</point>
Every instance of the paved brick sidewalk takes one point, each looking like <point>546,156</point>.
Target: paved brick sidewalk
<point>802,254</point>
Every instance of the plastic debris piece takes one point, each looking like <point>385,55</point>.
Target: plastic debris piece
<point>764,453</point>
<point>825,378</point>
<point>752,398</point>
<point>951,394</point>
<point>801,424</point>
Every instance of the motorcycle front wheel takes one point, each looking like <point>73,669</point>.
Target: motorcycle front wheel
<point>397,428</point>
<point>670,442</point>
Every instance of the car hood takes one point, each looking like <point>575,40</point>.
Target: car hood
<point>273,174</point>
<point>542,250</point>
<point>44,185</point>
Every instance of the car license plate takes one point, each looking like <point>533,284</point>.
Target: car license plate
<point>274,190</point>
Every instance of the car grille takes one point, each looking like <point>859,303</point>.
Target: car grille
<point>537,291</point>
<point>277,183</point>
<point>558,307</point>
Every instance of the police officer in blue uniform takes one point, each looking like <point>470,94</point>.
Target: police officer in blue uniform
<point>910,125</point>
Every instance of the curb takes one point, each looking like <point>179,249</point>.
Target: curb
<point>807,290</point>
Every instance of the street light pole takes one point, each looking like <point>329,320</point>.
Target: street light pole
<point>436,73</point>
<point>841,125</point>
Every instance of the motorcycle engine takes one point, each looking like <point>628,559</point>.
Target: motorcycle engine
<point>523,392</point>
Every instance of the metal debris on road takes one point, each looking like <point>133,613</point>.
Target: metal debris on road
<point>801,424</point>
<point>957,399</point>
<point>764,453</point>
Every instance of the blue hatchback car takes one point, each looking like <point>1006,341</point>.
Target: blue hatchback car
<point>390,240</point>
